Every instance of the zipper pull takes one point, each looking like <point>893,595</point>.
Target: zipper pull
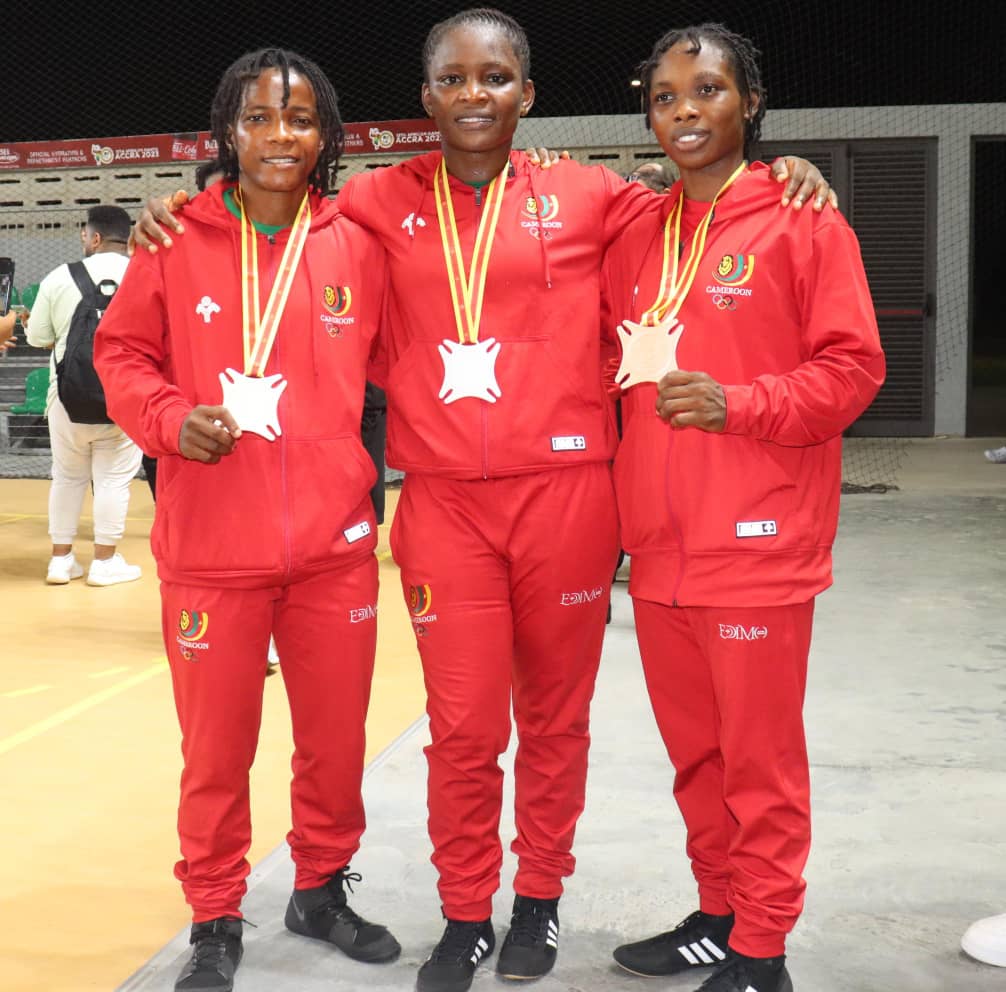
<point>478,196</point>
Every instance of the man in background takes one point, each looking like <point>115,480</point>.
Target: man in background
<point>97,455</point>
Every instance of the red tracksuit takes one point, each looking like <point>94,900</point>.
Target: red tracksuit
<point>278,536</point>
<point>506,531</point>
<point>730,534</point>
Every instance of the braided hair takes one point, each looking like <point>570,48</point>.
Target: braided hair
<point>483,16</point>
<point>740,54</point>
<point>227,105</point>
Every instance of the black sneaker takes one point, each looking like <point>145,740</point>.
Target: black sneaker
<point>742,974</point>
<point>215,958</point>
<point>324,914</point>
<point>698,941</point>
<point>451,966</point>
<point>533,941</point>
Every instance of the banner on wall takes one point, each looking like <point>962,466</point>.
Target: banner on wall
<point>368,138</point>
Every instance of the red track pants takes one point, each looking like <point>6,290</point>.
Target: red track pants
<point>217,640</point>
<point>727,687</point>
<point>507,582</point>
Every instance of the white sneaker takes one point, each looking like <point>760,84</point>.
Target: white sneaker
<point>111,571</point>
<point>985,940</point>
<point>997,455</point>
<point>62,568</point>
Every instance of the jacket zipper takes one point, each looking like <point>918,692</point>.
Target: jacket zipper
<point>284,487</point>
<point>485,409</point>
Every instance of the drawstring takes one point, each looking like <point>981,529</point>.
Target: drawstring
<point>541,233</point>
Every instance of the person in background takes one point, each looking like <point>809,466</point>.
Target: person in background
<point>8,325</point>
<point>653,175</point>
<point>101,457</point>
<point>748,344</point>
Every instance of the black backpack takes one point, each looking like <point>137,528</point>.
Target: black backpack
<point>77,382</point>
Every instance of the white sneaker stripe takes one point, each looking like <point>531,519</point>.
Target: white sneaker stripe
<point>709,945</point>
<point>688,956</point>
<point>700,953</point>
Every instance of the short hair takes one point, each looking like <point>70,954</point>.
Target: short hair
<point>227,103</point>
<point>741,55</point>
<point>655,175</point>
<point>488,17</point>
<point>112,223</point>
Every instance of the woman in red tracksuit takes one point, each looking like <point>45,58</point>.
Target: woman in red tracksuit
<point>752,332</point>
<point>264,520</point>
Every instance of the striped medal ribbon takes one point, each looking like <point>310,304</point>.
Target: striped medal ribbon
<point>650,346</point>
<point>252,398</point>
<point>469,364</point>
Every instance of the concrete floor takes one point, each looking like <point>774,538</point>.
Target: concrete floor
<point>906,721</point>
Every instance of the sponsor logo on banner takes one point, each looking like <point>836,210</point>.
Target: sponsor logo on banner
<point>185,147</point>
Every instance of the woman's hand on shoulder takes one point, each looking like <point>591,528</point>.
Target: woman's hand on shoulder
<point>803,180</point>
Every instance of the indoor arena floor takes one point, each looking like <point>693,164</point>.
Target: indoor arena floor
<point>906,723</point>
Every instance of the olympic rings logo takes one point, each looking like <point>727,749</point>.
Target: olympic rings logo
<point>722,302</point>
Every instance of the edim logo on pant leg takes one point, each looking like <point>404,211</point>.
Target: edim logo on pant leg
<point>192,627</point>
<point>581,597</point>
<point>737,632</point>
<point>361,613</point>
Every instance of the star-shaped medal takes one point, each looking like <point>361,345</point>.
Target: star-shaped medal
<point>254,401</point>
<point>470,370</point>
<point>648,352</point>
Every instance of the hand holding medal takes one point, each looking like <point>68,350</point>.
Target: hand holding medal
<point>208,433</point>
<point>692,399</point>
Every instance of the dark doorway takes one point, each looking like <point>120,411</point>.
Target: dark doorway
<point>987,385</point>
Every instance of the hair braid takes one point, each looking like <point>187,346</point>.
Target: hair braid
<point>740,53</point>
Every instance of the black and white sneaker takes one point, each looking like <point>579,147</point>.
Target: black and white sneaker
<point>698,941</point>
<point>324,914</point>
<point>215,957</point>
<point>743,974</point>
<point>451,966</point>
<point>530,947</point>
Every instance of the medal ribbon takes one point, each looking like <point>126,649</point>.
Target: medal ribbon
<point>672,292</point>
<point>467,289</point>
<point>258,331</point>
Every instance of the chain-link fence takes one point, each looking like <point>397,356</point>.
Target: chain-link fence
<point>902,112</point>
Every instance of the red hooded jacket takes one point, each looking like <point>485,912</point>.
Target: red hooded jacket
<point>272,509</point>
<point>542,304</point>
<point>780,315</point>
